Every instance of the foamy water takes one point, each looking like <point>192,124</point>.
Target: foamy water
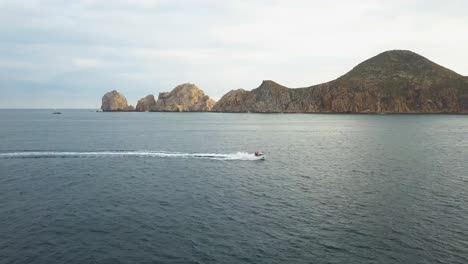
<point>155,154</point>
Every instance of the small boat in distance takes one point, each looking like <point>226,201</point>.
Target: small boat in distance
<point>56,113</point>
<point>259,155</point>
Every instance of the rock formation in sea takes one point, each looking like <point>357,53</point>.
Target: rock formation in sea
<point>146,104</point>
<point>115,101</point>
<point>184,98</point>
<point>396,81</point>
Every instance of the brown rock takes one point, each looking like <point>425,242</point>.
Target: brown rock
<point>395,81</point>
<point>184,98</point>
<point>146,104</point>
<point>233,101</point>
<point>115,101</point>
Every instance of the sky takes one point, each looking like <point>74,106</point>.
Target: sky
<point>67,54</point>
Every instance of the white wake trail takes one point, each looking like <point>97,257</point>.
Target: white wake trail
<point>155,154</point>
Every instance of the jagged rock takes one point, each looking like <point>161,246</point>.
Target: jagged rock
<point>233,101</point>
<point>115,101</point>
<point>184,98</point>
<point>395,81</point>
<point>146,104</point>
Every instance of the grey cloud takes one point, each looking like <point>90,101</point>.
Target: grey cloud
<point>81,49</point>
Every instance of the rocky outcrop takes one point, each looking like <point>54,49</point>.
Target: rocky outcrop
<point>146,104</point>
<point>233,101</point>
<point>395,81</point>
<point>115,101</point>
<point>184,98</point>
<point>268,97</point>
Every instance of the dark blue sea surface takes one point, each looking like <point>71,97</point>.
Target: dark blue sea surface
<point>87,187</point>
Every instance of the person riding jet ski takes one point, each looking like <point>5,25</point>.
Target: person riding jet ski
<point>258,154</point>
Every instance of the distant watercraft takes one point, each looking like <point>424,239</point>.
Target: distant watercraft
<point>57,113</point>
<point>259,155</point>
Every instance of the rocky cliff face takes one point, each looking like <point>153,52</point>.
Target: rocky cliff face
<point>115,101</point>
<point>233,101</point>
<point>184,98</point>
<point>146,104</point>
<point>394,81</point>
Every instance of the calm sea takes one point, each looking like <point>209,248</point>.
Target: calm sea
<point>87,187</point>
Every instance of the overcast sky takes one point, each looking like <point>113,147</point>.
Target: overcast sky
<point>67,54</point>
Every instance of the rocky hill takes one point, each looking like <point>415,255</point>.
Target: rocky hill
<point>395,81</point>
<point>146,104</point>
<point>184,98</point>
<point>115,101</point>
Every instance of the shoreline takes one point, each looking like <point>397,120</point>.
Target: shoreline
<point>316,113</point>
<point>216,112</point>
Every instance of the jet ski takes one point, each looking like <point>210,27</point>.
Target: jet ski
<point>259,155</point>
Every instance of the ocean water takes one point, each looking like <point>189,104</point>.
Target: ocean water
<point>87,187</point>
